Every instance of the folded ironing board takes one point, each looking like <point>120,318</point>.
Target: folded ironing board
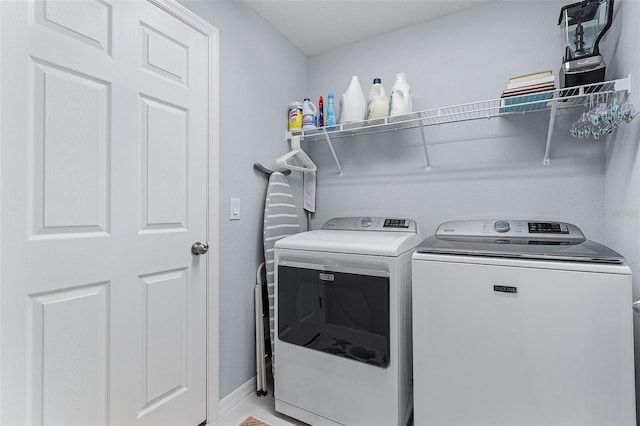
<point>280,220</point>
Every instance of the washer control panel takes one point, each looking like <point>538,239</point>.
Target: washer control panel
<point>505,230</point>
<point>367,223</point>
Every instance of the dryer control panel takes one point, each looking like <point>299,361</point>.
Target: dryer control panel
<point>366,223</point>
<point>508,230</point>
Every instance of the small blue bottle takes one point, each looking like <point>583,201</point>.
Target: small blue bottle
<point>331,113</point>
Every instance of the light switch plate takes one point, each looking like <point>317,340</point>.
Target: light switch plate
<point>234,209</point>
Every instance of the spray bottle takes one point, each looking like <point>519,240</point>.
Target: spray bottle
<point>320,117</point>
<point>331,113</point>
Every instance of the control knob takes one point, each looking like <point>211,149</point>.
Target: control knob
<point>501,226</point>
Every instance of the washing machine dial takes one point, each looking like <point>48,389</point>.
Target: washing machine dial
<point>365,222</point>
<point>501,226</point>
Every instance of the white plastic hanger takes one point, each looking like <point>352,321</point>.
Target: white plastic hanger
<point>296,159</point>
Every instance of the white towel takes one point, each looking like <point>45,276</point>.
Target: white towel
<point>309,187</point>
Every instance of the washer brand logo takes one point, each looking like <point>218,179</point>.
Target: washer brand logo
<point>326,277</point>
<point>505,289</point>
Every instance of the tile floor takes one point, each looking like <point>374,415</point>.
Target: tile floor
<point>261,407</point>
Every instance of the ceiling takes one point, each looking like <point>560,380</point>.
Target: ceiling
<point>316,26</point>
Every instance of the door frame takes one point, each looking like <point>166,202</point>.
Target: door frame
<point>173,8</point>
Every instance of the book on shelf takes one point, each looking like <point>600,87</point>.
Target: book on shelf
<point>523,103</point>
<point>530,76</point>
<point>542,87</point>
<point>541,80</point>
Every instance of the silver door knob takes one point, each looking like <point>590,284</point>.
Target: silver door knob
<point>636,306</point>
<point>199,248</point>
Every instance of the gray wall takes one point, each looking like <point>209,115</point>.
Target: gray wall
<point>622,176</point>
<point>481,169</point>
<point>260,73</point>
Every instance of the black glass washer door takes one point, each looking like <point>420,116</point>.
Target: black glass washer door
<point>341,313</point>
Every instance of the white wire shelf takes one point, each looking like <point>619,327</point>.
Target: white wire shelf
<point>553,100</point>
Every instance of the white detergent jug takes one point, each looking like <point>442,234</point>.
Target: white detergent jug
<point>400,100</point>
<point>378,105</point>
<point>353,104</point>
<point>308,114</point>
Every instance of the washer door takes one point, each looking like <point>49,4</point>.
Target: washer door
<point>340,311</point>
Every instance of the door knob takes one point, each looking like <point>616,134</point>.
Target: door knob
<point>636,306</point>
<point>199,248</point>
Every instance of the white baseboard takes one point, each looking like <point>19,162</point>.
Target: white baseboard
<point>237,396</point>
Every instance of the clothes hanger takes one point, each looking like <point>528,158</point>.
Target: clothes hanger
<point>259,167</point>
<point>296,159</point>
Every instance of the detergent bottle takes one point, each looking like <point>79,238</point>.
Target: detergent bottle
<point>353,104</point>
<point>378,105</point>
<point>308,114</point>
<point>400,101</point>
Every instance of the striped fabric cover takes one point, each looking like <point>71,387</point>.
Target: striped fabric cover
<point>280,220</point>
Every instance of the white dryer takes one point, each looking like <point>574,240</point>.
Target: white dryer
<point>343,322</point>
<point>521,323</point>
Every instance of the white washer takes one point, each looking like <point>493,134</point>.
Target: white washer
<point>521,323</point>
<point>343,322</point>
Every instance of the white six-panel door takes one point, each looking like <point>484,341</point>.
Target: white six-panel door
<point>103,192</point>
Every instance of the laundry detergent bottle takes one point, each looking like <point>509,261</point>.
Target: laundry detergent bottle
<point>378,104</point>
<point>400,100</point>
<point>353,104</point>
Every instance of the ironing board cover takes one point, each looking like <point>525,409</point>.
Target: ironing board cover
<point>280,220</point>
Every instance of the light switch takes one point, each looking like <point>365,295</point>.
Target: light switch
<point>234,209</point>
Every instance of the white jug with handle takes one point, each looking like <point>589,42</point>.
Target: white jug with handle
<point>400,99</point>
<point>308,114</point>
<point>353,104</point>
<point>378,105</point>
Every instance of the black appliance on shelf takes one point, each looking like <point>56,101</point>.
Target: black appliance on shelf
<point>584,23</point>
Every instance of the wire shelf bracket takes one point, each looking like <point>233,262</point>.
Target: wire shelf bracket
<point>426,151</point>
<point>333,152</point>
<point>552,120</point>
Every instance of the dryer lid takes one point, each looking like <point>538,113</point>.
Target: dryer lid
<point>366,235</point>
